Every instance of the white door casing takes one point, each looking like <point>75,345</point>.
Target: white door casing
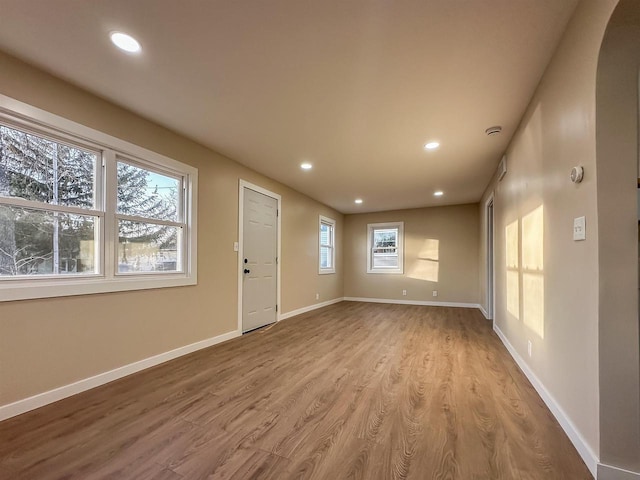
<point>259,250</point>
<point>490,258</point>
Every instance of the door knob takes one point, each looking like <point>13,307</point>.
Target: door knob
<point>246,270</point>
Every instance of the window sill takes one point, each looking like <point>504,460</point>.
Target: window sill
<point>327,271</point>
<point>386,272</point>
<point>11,290</point>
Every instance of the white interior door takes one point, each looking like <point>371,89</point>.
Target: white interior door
<point>259,269</point>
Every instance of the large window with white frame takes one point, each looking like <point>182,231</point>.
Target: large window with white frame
<point>327,252</point>
<point>83,212</point>
<point>385,247</point>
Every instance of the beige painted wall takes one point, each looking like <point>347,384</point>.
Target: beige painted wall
<point>556,133</point>
<point>300,254</point>
<point>441,253</point>
<point>617,154</point>
<point>49,343</point>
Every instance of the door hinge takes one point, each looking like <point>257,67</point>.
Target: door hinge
<point>276,308</point>
<point>277,212</point>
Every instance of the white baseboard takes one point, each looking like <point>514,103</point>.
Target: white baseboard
<point>608,472</point>
<point>309,308</point>
<point>484,312</point>
<point>583,448</point>
<point>412,302</point>
<point>45,398</point>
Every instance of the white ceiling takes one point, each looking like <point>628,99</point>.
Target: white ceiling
<point>356,87</point>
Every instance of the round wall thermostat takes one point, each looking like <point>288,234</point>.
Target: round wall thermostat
<point>576,174</point>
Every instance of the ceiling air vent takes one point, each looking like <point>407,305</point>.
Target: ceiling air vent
<point>493,130</point>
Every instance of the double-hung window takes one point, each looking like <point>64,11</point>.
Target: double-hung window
<point>83,212</point>
<point>50,208</point>
<point>385,252</point>
<point>150,220</point>
<point>327,253</point>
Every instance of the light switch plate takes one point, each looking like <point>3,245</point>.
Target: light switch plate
<point>579,229</point>
<point>236,247</point>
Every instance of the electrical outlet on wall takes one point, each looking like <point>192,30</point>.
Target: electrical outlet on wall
<point>404,293</point>
<point>317,296</point>
<point>529,346</point>
<point>435,293</point>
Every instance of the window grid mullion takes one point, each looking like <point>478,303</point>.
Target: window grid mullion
<point>109,235</point>
<point>154,221</point>
<point>98,201</point>
<point>47,207</point>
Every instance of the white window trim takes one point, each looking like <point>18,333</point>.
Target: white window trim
<point>32,118</point>
<point>332,223</point>
<point>385,271</point>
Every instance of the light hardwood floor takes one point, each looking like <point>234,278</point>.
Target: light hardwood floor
<point>351,391</point>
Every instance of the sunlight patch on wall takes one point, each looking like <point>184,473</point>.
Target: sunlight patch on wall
<point>513,293</point>
<point>513,273</point>
<point>426,266</point>
<point>532,238</point>
<point>533,302</point>
<point>533,270</point>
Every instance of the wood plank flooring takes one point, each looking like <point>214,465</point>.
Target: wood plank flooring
<point>351,391</point>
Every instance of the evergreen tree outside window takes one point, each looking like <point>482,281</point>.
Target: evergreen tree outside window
<point>48,216</point>
<point>150,220</point>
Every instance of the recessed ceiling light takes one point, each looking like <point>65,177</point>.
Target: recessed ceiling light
<point>306,166</point>
<point>432,145</point>
<point>439,193</point>
<point>125,42</point>
<point>358,200</point>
